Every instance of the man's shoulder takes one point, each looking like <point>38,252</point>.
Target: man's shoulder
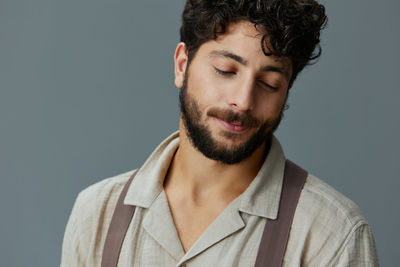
<point>101,196</point>
<point>324,220</point>
<point>89,220</point>
<point>321,199</point>
<point>107,185</point>
<point>331,227</point>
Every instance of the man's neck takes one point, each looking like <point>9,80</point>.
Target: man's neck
<point>202,179</point>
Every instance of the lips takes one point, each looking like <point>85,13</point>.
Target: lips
<point>232,126</point>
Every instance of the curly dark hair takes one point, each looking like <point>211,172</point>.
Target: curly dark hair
<point>292,27</point>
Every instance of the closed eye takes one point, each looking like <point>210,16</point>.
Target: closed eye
<point>231,73</point>
<point>264,84</point>
<point>224,73</point>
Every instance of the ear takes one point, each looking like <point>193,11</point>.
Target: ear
<point>180,62</point>
<point>290,85</point>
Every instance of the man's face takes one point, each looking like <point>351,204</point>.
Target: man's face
<point>232,95</point>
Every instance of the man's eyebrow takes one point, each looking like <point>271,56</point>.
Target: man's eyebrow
<point>225,53</point>
<point>239,59</point>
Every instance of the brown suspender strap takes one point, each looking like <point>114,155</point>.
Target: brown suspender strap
<point>276,232</point>
<point>116,232</point>
<point>274,239</point>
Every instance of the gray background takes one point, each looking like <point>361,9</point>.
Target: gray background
<point>86,92</point>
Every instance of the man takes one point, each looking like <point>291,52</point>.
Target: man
<point>204,196</point>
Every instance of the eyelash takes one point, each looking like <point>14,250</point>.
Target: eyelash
<point>269,86</point>
<point>231,73</point>
<point>224,73</point>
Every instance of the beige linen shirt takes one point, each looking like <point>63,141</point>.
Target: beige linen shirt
<point>328,229</point>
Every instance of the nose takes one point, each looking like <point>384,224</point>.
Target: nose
<point>242,97</point>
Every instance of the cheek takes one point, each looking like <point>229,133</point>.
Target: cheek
<point>205,90</point>
<point>272,105</point>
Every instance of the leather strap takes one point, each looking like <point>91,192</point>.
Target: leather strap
<point>116,232</point>
<point>276,232</point>
<point>274,239</point>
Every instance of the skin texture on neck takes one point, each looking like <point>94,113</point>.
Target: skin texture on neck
<point>202,179</point>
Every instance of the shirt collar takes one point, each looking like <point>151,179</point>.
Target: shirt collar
<point>261,198</point>
<point>148,182</point>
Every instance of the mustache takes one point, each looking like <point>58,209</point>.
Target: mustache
<point>245,119</point>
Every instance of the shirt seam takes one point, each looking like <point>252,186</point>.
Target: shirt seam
<point>354,221</point>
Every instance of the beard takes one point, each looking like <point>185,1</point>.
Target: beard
<point>201,138</point>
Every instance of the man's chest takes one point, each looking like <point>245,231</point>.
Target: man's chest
<point>192,221</point>
<point>193,208</point>
<point>228,240</point>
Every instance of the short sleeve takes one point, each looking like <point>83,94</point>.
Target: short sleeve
<point>88,223</point>
<point>359,249</point>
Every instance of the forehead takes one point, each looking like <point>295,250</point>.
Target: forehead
<point>245,28</point>
<point>244,39</point>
